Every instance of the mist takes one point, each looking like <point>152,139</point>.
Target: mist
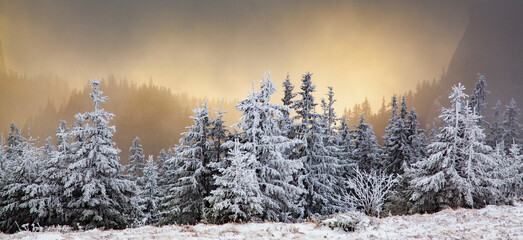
<point>216,49</point>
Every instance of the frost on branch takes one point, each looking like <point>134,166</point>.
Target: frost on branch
<point>369,190</point>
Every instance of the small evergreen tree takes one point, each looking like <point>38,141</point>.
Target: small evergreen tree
<point>136,161</point>
<point>237,197</point>
<point>150,192</point>
<point>19,193</point>
<point>495,134</point>
<point>511,125</point>
<point>365,147</point>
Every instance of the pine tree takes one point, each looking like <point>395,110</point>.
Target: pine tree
<point>511,125</point>
<point>189,177</point>
<point>97,195</point>
<point>150,192</point>
<point>262,137</point>
<point>321,169</point>
<point>457,172</point>
<point>136,161</point>
<point>366,150</point>
<point>237,197</point>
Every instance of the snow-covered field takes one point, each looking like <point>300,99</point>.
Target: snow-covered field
<point>492,222</point>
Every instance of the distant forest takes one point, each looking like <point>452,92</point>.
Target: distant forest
<point>148,111</point>
<point>158,116</point>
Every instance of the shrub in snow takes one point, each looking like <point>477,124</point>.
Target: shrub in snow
<point>369,190</point>
<point>347,221</point>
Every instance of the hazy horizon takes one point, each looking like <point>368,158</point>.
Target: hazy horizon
<point>216,49</point>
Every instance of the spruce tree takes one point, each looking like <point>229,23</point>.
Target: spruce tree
<point>97,196</point>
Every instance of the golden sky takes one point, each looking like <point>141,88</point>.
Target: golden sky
<point>216,48</point>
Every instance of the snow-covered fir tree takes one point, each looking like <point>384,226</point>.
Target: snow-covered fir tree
<point>150,192</point>
<point>321,169</point>
<point>97,196</point>
<point>262,137</point>
<point>511,125</point>
<point>329,115</point>
<point>189,177</point>
<point>237,197</point>
<point>366,151</point>
<point>458,171</point>
<point>136,161</point>
<point>495,128</point>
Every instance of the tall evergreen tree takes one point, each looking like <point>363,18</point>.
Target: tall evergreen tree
<point>458,171</point>
<point>97,196</point>
<point>189,175</point>
<point>274,168</point>
<point>321,170</point>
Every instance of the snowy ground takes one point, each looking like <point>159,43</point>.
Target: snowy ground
<point>492,222</point>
